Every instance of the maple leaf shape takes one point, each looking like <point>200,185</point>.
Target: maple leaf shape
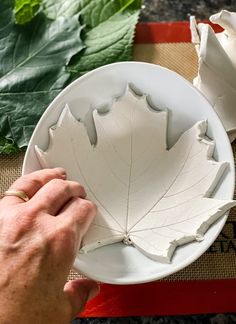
<point>147,196</point>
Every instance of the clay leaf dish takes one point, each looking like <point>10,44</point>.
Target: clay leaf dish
<point>147,196</point>
<point>216,77</point>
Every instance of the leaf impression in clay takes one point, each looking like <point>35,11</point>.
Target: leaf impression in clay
<point>147,196</point>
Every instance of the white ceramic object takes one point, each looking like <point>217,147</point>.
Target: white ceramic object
<point>147,196</point>
<point>118,263</point>
<point>216,77</point>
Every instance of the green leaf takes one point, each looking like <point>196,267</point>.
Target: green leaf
<point>111,41</point>
<point>32,69</point>
<point>8,147</point>
<point>96,12</point>
<point>93,12</point>
<point>109,32</point>
<point>58,8</point>
<point>25,10</point>
<point>110,38</point>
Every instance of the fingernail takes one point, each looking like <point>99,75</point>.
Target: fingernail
<point>62,172</point>
<point>94,292</point>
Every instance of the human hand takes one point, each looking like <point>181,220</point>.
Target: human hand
<point>38,243</point>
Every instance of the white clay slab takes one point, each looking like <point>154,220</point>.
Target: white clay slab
<point>216,77</point>
<point>147,196</point>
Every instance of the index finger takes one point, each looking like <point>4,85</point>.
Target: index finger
<point>32,182</point>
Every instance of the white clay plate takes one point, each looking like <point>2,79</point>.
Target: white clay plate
<point>118,263</point>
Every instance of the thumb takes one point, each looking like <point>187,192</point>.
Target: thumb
<point>79,292</point>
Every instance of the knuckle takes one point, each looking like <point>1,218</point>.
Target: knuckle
<point>27,216</point>
<point>78,188</point>
<point>24,212</point>
<point>51,237</point>
<point>59,183</point>
<point>64,236</point>
<point>88,206</point>
<point>18,226</point>
<point>61,231</point>
<point>83,213</point>
<point>29,209</point>
<point>77,185</point>
<point>81,188</point>
<point>29,180</point>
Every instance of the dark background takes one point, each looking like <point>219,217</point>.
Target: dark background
<point>173,10</point>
